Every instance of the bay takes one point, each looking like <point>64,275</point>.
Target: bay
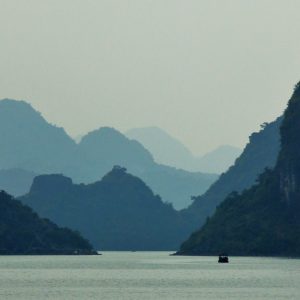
<point>147,275</point>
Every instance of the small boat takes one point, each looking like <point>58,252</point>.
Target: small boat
<point>223,259</point>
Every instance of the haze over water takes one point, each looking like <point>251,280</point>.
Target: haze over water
<point>147,275</point>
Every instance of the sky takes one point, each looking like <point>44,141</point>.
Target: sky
<point>208,72</point>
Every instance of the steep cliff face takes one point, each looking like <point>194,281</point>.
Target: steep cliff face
<point>288,166</point>
<point>265,219</point>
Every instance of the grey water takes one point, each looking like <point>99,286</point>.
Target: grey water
<point>147,275</point>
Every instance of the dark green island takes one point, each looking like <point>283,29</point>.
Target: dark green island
<point>23,232</point>
<point>265,219</point>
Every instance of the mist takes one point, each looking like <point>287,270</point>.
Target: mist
<point>208,72</point>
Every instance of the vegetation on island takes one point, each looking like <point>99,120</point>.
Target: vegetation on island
<point>120,212</point>
<point>264,219</point>
<point>260,153</point>
<point>22,231</point>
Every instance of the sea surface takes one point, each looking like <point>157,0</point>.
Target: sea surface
<point>147,275</point>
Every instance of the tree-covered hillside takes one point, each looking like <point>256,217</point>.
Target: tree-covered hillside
<point>261,152</point>
<point>265,219</point>
<point>117,213</point>
<point>23,232</point>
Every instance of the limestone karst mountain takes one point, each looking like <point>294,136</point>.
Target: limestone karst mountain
<point>265,219</point>
<point>119,212</point>
<point>24,232</point>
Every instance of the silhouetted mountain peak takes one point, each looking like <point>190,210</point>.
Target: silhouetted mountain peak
<point>165,148</point>
<point>119,176</point>
<point>116,147</point>
<point>116,172</point>
<point>37,145</point>
<point>14,112</point>
<point>104,133</point>
<point>112,137</point>
<point>51,184</point>
<point>15,104</point>
<point>19,111</point>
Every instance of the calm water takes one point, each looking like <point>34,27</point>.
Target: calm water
<point>147,275</point>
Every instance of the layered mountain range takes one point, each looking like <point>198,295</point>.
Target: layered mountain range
<point>170,151</point>
<point>120,212</point>
<point>109,226</point>
<point>30,143</point>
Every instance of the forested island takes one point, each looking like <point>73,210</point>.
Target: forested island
<point>23,232</point>
<point>263,220</point>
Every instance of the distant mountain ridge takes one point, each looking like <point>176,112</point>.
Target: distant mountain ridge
<point>265,219</point>
<point>165,148</point>
<point>170,151</point>
<point>107,147</point>
<point>117,213</point>
<point>28,142</point>
<point>48,149</point>
<point>219,160</point>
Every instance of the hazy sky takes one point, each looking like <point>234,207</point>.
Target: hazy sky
<point>209,72</point>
